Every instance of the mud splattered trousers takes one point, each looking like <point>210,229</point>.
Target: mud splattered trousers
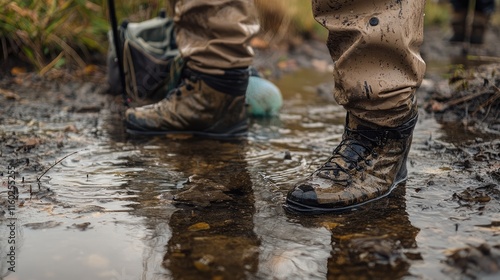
<point>215,34</point>
<point>375,48</point>
<point>374,45</point>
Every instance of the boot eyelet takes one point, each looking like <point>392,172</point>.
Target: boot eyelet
<point>374,21</point>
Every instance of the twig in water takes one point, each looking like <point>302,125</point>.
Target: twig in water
<point>488,103</point>
<point>483,58</point>
<point>47,170</point>
<point>464,99</point>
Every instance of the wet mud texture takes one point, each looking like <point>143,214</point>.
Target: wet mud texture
<point>468,91</point>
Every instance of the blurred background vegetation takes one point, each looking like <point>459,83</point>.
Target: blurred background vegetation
<point>55,33</point>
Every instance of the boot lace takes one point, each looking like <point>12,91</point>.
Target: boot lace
<point>353,150</point>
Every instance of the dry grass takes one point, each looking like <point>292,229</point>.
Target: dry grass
<point>50,33</point>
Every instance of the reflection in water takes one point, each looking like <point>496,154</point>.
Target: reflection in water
<point>374,243</point>
<point>205,220</point>
<point>212,231</point>
<point>221,244</point>
<point>198,200</point>
<point>289,250</point>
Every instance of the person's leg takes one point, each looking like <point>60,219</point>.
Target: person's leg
<point>377,68</point>
<point>213,38</point>
<point>459,5</point>
<point>485,6</point>
<point>482,15</point>
<point>213,35</point>
<point>458,19</point>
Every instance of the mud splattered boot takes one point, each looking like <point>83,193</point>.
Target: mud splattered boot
<point>367,165</point>
<point>204,105</point>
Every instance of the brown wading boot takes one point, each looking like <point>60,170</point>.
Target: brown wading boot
<point>367,165</point>
<point>204,105</point>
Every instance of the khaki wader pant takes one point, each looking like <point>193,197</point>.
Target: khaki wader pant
<point>374,45</point>
<point>375,48</point>
<point>215,34</point>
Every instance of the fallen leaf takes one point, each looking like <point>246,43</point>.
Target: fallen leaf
<point>199,226</point>
<point>90,69</point>
<point>16,71</point>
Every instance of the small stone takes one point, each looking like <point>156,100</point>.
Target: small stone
<point>288,155</point>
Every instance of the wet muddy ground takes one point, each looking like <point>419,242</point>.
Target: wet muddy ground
<point>112,206</point>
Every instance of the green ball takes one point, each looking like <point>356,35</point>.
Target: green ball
<point>263,97</point>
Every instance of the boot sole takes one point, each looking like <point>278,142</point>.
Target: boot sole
<point>236,132</point>
<point>294,207</point>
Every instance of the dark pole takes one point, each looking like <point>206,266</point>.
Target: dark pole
<point>118,49</point>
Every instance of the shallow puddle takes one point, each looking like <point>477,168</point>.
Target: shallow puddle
<point>108,211</point>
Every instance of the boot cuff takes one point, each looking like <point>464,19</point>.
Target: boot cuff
<point>233,81</point>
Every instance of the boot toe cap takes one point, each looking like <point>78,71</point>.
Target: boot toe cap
<point>135,121</point>
<point>302,199</point>
<point>304,194</point>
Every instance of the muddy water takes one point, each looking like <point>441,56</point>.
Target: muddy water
<point>158,208</point>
